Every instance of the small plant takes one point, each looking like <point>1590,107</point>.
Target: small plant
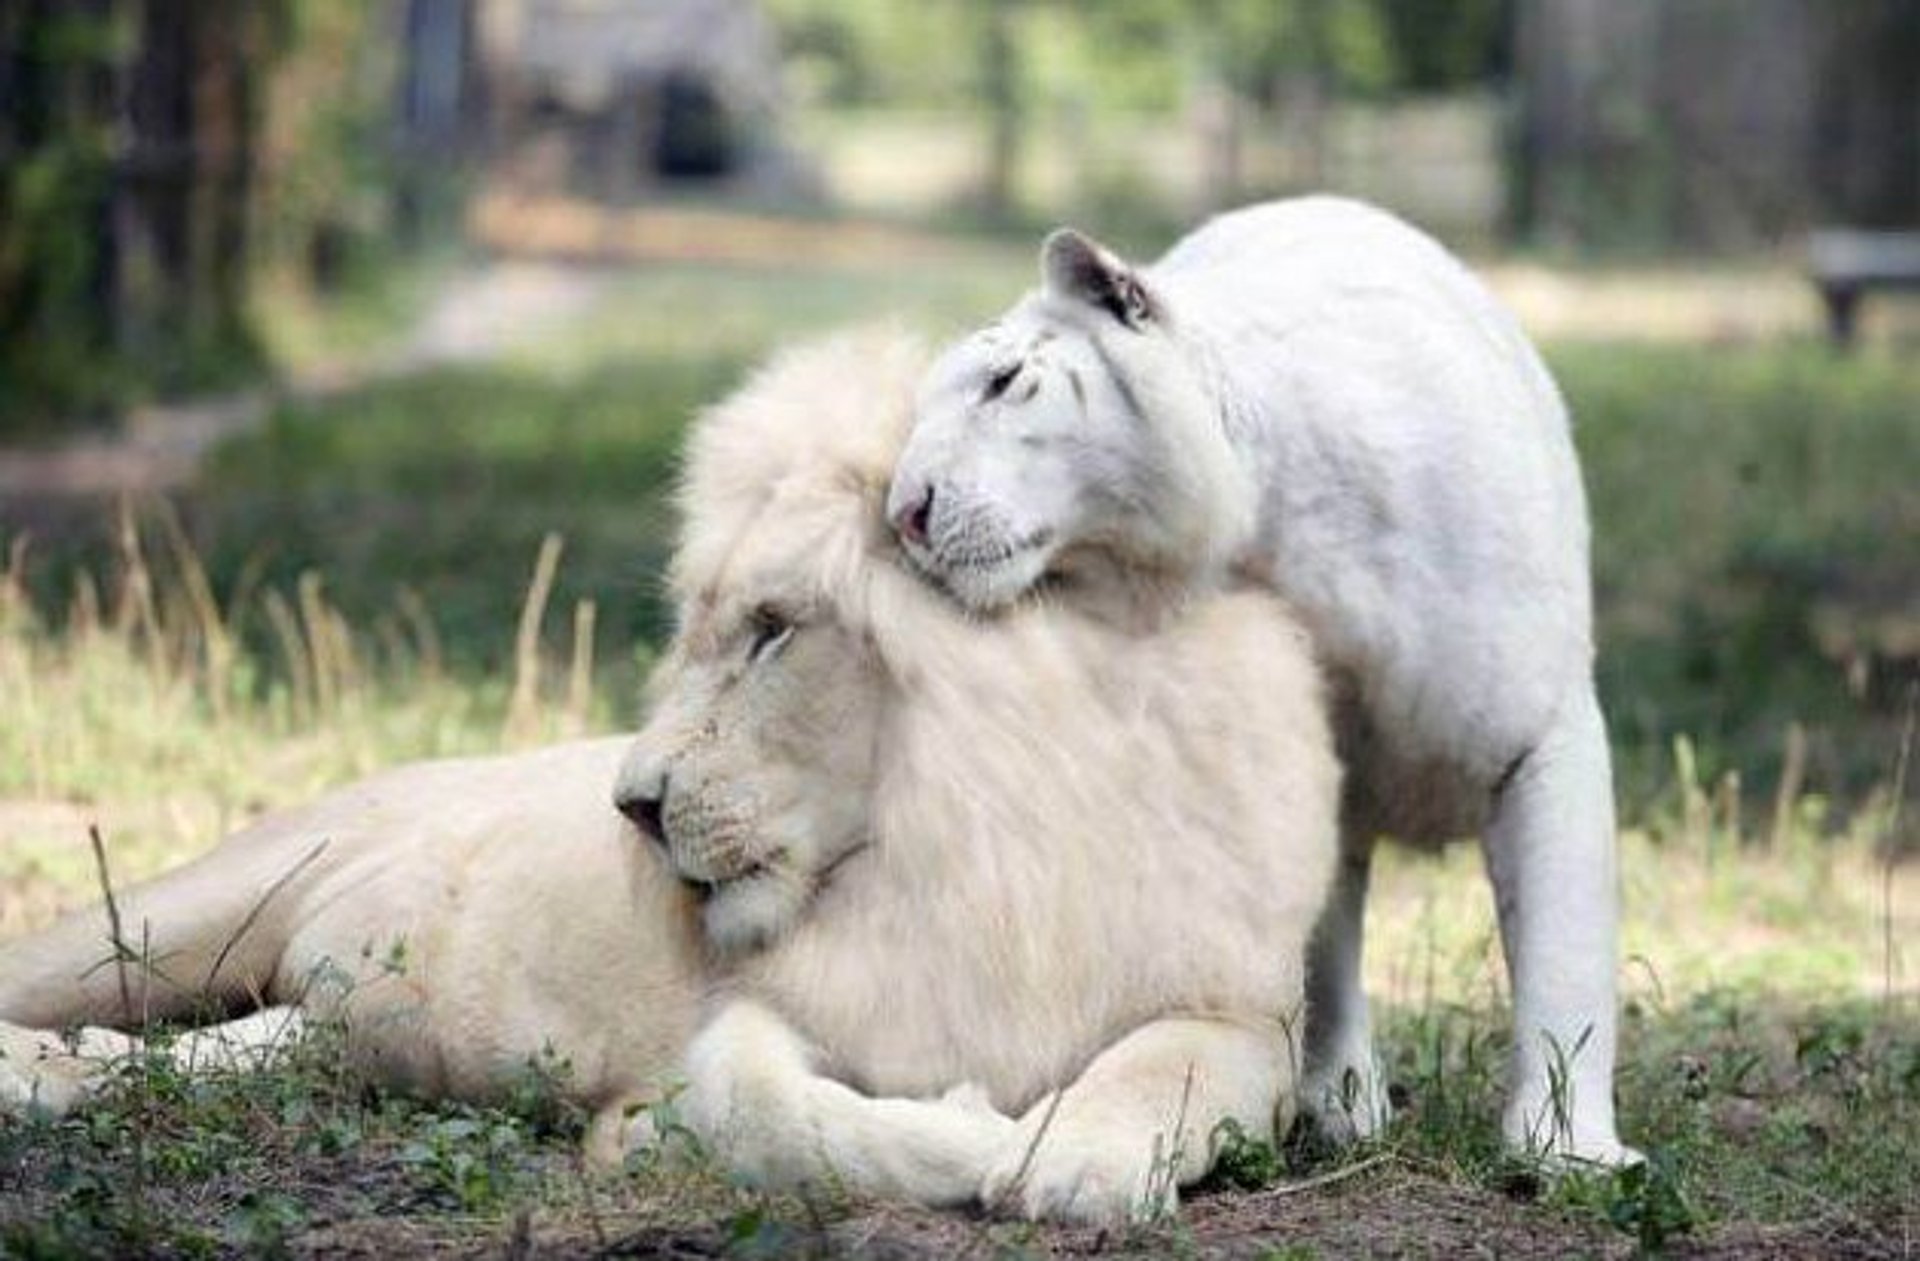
<point>263,1223</point>
<point>472,1158</point>
<point>1647,1202</point>
<point>755,1232</point>
<point>1243,1161</point>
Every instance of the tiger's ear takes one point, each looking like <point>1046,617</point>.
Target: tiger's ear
<point>1078,267</point>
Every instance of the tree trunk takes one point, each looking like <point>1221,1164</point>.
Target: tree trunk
<point>1000,82</point>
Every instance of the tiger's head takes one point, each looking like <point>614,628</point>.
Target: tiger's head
<point>1081,422</point>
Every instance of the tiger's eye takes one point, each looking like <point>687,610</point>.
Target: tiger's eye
<point>997,383</point>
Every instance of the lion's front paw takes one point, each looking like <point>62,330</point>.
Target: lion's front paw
<point>1084,1174</point>
<point>42,1073</point>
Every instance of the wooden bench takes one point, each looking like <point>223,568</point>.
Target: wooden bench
<point>1847,262</point>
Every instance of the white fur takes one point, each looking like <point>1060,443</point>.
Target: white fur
<point>1316,396</point>
<point>1076,838</point>
<point>753,1088</point>
<point>462,918</point>
<point>1075,858</point>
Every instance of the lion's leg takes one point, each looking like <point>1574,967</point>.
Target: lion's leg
<point>1144,1119</point>
<point>1343,1089</point>
<point>1550,852</point>
<point>753,1095</point>
<point>54,1073</point>
<point>205,938</point>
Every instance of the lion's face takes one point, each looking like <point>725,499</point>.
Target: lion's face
<point>1057,427</point>
<point>755,767</point>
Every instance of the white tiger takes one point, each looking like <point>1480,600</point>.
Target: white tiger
<point>1318,397</point>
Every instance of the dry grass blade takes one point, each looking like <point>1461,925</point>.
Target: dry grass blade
<point>117,938</point>
<point>216,641</point>
<point>580,675</point>
<point>1890,842</point>
<point>1329,1178</point>
<point>13,582</point>
<point>1793,774</point>
<point>139,612</point>
<point>1025,1167</point>
<point>522,710</point>
<point>254,912</point>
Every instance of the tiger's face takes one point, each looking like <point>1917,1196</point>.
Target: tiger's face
<point>1011,448</point>
<point>1075,421</point>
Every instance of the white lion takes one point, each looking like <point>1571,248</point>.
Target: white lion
<point>1055,853</point>
<point>1314,396</point>
<point>924,857</point>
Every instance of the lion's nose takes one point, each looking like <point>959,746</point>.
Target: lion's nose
<point>912,513</point>
<point>644,801</point>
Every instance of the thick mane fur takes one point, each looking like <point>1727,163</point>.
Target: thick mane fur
<point>1076,828</point>
<point>797,440</point>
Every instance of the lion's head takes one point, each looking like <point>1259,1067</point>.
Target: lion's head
<point>1082,420</point>
<point>756,763</point>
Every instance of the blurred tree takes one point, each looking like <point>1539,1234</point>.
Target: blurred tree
<point>1004,95</point>
<point>1715,123</point>
<point>878,53</point>
<point>1246,61</point>
<point>1442,45</point>
<point>56,269</point>
<point>153,153</point>
<point>126,174</point>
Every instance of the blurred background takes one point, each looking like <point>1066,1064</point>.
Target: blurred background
<point>344,346</point>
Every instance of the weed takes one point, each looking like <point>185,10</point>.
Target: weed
<point>1244,1160</point>
<point>262,1224</point>
<point>472,1159</point>
<point>1645,1201</point>
<point>755,1233</point>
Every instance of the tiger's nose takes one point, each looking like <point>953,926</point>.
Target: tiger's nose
<point>643,799</point>
<point>912,509</point>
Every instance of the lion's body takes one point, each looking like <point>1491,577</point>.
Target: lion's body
<point>1315,397</point>
<point>1152,867</point>
<point>465,917</point>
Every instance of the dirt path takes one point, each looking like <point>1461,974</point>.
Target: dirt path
<point>553,259</point>
<point>478,315</point>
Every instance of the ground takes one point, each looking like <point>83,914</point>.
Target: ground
<point>334,581</point>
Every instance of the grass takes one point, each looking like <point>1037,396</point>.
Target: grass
<point>1753,561</point>
<point>342,588</point>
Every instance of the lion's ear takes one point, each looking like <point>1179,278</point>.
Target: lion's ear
<point>1078,267</point>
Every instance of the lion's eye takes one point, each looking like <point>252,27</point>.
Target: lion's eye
<point>997,383</point>
<point>771,631</point>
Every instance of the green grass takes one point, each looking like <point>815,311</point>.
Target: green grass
<point>1756,530</point>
